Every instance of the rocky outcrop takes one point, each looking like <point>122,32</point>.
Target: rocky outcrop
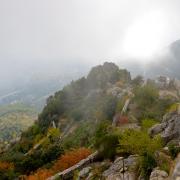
<point>116,91</point>
<point>84,173</point>
<point>157,174</point>
<point>122,169</point>
<point>176,171</point>
<point>169,129</point>
<point>177,85</point>
<point>100,76</point>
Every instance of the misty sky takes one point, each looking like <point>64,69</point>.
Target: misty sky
<point>41,35</point>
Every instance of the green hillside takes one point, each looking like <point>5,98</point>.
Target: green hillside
<point>106,111</point>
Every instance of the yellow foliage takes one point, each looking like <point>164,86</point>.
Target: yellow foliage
<point>174,107</point>
<point>6,166</point>
<point>53,132</point>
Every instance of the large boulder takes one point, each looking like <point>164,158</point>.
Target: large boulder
<point>169,129</point>
<point>122,169</point>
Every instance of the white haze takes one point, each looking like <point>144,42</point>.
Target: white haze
<point>51,36</point>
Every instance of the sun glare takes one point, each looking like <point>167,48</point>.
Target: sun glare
<point>144,37</point>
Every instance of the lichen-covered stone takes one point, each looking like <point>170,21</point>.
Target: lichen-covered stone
<point>157,174</point>
<point>122,169</point>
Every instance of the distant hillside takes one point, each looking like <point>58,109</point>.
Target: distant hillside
<point>14,119</point>
<point>35,92</point>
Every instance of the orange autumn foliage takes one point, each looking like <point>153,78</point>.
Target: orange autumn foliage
<point>65,161</point>
<point>70,158</point>
<point>6,166</point>
<point>41,174</point>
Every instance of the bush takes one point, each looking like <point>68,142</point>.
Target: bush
<point>108,145</point>
<point>138,142</point>
<point>70,158</point>
<point>39,158</point>
<point>173,107</point>
<point>147,164</point>
<point>174,150</point>
<point>106,140</point>
<point>7,171</point>
<point>41,174</point>
<point>53,134</point>
<point>148,123</point>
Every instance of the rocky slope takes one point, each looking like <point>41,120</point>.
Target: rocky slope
<point>169,129</point>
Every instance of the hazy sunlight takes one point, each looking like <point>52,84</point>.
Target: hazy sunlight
<point>144,37</point>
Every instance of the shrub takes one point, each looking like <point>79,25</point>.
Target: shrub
<point>70,158</point>
<point>101,131</point>
<point>106,140</point>
<point>164,162</point>
<point>41,174</point>
<point>7,170</point>
<point>138,142</point>
<point>122,120</point>
<point>165,166</point>
<point>147,164</point>
<point>108,145</point>
<point>174,150</point>
<point>148,123</point>
<point>173,107</point>
<point>6,166</point>
<point>39,158</point>
<point>53,134</point>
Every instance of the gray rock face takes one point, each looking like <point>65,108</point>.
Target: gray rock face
<point>169,129</point>
<point>120,176</point>
<point>176,172</point>
<point>157,174</point>
<point>115,91</point>
<point>84,172</point>
<point>122,169</point>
